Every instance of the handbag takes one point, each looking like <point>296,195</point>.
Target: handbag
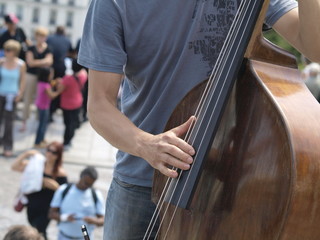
<point>20,201</point>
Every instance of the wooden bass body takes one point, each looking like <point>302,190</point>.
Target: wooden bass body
<point>261,178</point>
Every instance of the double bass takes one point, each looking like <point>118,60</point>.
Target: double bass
<point>256,171</point>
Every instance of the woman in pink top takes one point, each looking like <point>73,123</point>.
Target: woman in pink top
<point>43,100</point>
<point>71,100</point>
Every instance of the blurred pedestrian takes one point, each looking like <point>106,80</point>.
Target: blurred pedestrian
<point>71,100</point>
<point>38,56</point>
<point>83,113</point>
<point>311,75</point>
<point>12,84</point>
<point>14,32</point>
<point>43,99</point>
<point>77,204</point>
<point>22,232</point>
<point>61,48</point>
<point>42,175</point>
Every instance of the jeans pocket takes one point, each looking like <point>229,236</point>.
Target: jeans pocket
<point>124,184</point>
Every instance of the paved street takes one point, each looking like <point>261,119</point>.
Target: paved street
<point>88,148</point>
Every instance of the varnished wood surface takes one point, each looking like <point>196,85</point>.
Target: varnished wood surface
<point>302,114</point>
<point>261,178</point>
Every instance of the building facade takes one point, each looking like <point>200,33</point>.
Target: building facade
<point>48,13</point>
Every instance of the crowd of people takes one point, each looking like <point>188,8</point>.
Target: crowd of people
<point>35,72</point>
<point>156,70</point>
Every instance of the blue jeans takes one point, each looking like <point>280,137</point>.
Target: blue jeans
<point>43,121</point>
<point>129,210</point>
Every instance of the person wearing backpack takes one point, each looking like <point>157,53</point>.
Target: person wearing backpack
<point>74,205</point>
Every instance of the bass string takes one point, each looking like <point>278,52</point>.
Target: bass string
<point>171,197</point>
<point>189,173</point>
<point>211,84</point>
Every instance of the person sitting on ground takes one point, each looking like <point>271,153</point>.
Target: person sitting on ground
<point>22,232</point>
<point>76,205</point>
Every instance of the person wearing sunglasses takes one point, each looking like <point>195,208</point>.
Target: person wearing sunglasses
<point>42,174</point>
<point>12,85</point>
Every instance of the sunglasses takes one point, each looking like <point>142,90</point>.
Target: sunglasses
<point>51,151</point>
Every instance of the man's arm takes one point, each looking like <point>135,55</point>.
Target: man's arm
<point>22,82</point>
<point>301,29</point>
<point>98,220</point>
<point>159,150</point>
<point>54,213</point>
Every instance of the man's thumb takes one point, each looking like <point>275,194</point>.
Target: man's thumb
<point>183,128</point>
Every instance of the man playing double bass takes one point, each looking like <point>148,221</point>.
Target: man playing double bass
<point>163,49</point>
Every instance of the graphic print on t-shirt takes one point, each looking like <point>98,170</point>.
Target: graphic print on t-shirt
<point>215,19</point>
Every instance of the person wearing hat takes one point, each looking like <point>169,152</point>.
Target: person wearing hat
<point>14,32</point>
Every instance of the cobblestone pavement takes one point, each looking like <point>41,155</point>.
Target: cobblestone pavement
<point>88,148</point>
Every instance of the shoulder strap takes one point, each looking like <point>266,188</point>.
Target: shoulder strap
<point>65,191</point>
<point>94,195</point>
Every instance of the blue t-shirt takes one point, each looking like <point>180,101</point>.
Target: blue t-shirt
<point>164,48</point>
<point>81,204</point>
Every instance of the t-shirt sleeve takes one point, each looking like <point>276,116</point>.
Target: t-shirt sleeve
<point>102,43</point>
<point>47,86</point>
<point>56,200</point>
<point>277,8</point>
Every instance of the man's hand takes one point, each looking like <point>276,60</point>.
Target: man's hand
<point>167,150</point>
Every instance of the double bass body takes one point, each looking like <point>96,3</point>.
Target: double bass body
<point>261,177</point>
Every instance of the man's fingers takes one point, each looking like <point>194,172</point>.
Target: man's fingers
<point>168,171</point>
<point>183,128</point>
<point>179,150</point>
<point>180,131</point>
<point>168,164</point>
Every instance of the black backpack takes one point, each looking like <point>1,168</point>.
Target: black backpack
<point>65,191</point>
